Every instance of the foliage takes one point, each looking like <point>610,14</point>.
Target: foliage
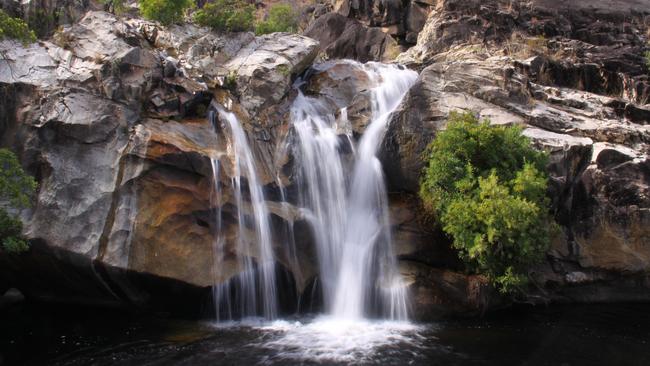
<point>226,15</point>
<point>15,28</point>
<point>16,187</point>
<point>647,59</point>
<point>487,186</point>
<point>230,81</point>
<point>165,11</point>
<point>282,18</point>
<point>10,229</point>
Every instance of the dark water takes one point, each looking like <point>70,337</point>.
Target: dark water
<point>578,335</point>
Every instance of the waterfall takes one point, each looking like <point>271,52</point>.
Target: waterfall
<point>350,219</point>
<point>341,194</point>
<point>253,291</point>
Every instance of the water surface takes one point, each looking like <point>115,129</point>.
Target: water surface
<point>579,335</point>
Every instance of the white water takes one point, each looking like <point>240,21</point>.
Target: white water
<point>254,288</point>
<point>358,270</point>
<point>343,197</point>
<point>328,339</point>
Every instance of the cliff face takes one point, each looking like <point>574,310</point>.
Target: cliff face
<point>110,115</point>
<point>572,74</point>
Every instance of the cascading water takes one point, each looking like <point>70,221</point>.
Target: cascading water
<point>350,218</point>
<point>348,213</point>
<point>253,291</point>
<point>342,196</point>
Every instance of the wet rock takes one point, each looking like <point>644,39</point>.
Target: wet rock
<point>437,293</point>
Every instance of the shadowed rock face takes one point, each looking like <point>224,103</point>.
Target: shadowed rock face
<point>570,91</point>
<point>342,37</point>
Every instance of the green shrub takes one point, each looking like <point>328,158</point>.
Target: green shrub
<point>16,187</point>
<point>282,18</point>
<point>647,59</point>
<point>15,28</point>
<point>10,230</point>
<point>165,11</point>
<point>487,186</point>
<point>226,15</point>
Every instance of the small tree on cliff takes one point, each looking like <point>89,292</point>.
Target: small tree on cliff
<point>487,187</point>
<point>281,18</point>
<point>226,15</point>
<point>16,187</point>
<point>165,11</point>
<point>15,28</point>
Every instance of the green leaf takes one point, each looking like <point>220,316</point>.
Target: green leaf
<point>487,185</point>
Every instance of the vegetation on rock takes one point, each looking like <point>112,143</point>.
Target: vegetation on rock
<point>15,28</point>
<point>281,18</point>
<point>487,186</point>
<point>16,187</point>
<point>165,11</point>
<point>226,15</point>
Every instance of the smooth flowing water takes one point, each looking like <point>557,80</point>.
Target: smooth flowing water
<point>348,207</point>
<point>253,291</point>
<point>342,194</point>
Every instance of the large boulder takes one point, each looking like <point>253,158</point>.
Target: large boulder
<point>263,70</point>
<point>111,118</point>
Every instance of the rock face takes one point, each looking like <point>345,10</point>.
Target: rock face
<point>570,75</point>
<point>44,16</point>
<point>343,37</point>
<point>261,68</point>
<point>401,19</point>
<point>110,117</point>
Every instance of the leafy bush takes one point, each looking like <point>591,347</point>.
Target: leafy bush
<point>487,186</point>
<point>282,18</point>
<point>165,11</point>
<point>16,187</point>
<point>10,230</point>
<point>226,15</point>
<point>15,28</point>
<point>647,59</point>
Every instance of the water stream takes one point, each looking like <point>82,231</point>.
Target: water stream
<point>342,195</point>
<point>253,291</point>
<point>358,271</point>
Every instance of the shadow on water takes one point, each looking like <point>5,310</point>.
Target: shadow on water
<point>35,334</point>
